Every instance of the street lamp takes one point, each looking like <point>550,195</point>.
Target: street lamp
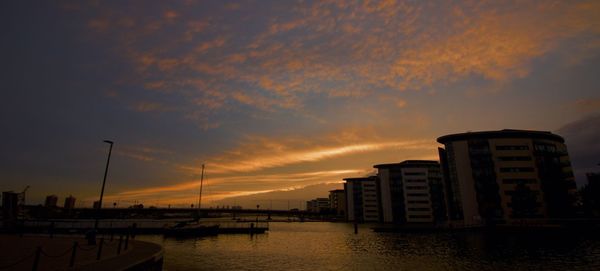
<point>104,181</point>
<point>257,206</point>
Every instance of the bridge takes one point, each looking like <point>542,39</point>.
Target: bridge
<point>105,213</point>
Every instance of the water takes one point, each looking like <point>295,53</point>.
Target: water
<point>334,246</point>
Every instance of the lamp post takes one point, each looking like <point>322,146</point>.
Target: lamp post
<point>103,181</point>
<point>257,206</point>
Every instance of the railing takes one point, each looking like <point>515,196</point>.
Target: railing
<point>89,223</point>
<point>243,225</point>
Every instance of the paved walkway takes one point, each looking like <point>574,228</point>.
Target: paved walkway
<point>19,253</point>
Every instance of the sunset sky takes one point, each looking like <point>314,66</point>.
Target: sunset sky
<point>278,95</point>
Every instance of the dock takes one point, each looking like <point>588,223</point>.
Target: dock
<point>133,227</point>
<point>42,252</point>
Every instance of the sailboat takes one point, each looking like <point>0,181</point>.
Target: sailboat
<point>193,228</point>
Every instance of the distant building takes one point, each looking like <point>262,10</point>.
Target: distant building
<point>135,206</point>
<point>499,176</point>
<point>590,194</point>
<point>51,201</point>
<point>411,192</point>
<point>310,205</point>
<point>317,205</point>
<point>337,199</point>
<point>69,203</point>
<point>322,204</point>
<point>593,178</point>
<point>362,199</point>
<point>10,205</point>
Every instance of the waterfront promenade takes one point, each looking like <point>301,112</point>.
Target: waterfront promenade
<point>41,252</point>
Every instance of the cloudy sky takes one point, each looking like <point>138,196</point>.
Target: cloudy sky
<point>277,95</point>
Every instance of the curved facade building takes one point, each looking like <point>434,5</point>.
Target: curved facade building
<point>507,175</point>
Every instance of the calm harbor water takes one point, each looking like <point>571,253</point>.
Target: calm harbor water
<point>334,246</point>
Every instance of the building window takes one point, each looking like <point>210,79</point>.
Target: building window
<point>519,181</point>
<point>417,194</point>
<point>545,147</point>
<point>512,147</point>
<point>511,192</point>
<point>514,158</point>
<point>414,173</point>
<point>419,209</point>
<point>418,202</point>
<point>516,169</point>
<point>416,181</point>
<point>419,216</point>
<point>420,187</point>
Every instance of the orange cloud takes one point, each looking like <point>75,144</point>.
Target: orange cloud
<point>268,154</point>
<point>587,105</point>
<point>217,188</point>
<point>168,64</point>
<point>236,58</point>
<point>497,45</point>
<point>149,107</point>
<point>99,24</point>
<point>400,103</point>
<point>324,49</point>
<point>205,46</point>
<point>171,14</point>
<point>143,153</point>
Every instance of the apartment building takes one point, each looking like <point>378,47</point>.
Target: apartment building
<point>506,175</point>
<point>362,199</point>
<point>411,192</point>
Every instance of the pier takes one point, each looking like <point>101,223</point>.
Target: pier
<point>42,252</point>
<point>134,227</point>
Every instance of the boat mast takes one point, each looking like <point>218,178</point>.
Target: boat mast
<point>200,195</point>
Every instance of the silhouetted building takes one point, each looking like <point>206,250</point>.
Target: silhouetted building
<point>310,205</point>
<point>593,178</point>
<point>10,205</point>
<point>337,199</point>
<point>590,195</point>
<point>135,206</point>
<point>362,199</point>
<point>317,205</point>
<point>499,176</point>
<point>69,203</point>
<point>411,192</point>
<point>51,201</point>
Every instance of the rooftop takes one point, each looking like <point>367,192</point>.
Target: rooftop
<point>506,133</point>
<point>409,163</point>
<point>356,179</point>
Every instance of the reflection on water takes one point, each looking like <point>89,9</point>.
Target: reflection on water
<point>334,246</point>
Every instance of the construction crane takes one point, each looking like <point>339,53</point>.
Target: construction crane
<point>21,203</point>
<point>21,196</point>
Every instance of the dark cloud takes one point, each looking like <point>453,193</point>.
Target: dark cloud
<point>583,140</point>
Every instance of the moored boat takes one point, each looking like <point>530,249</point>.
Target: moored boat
<point>192,230</point>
